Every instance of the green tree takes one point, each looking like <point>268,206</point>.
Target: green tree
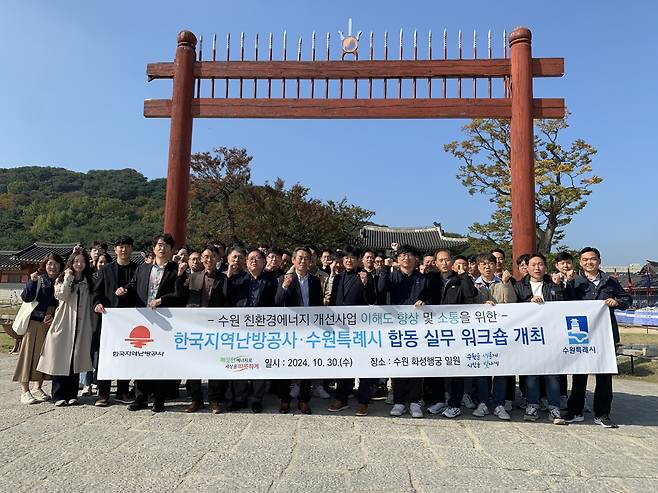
<point>563,177</point>
<point>226,204</point>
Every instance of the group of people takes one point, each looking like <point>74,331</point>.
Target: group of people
<point>64,330</point>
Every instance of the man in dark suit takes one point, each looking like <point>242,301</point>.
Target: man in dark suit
<point>298,288</point>
<point>352,288</point>
<point>252,287</point>
<point>206,288</point>
<point>155,285</point>
<point>110,278</point>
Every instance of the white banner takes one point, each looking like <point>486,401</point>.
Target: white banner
<point>344,342</point>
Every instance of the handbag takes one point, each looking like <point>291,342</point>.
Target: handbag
<point>22,319</point>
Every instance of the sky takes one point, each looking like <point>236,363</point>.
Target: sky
<point>73,85</point>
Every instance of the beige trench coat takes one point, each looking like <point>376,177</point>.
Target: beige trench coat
<point>74,314</point>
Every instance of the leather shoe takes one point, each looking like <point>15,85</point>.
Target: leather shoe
<point>256,407</point>
<point>137,405</point>
<point>284,408</point>
<point>304,408</point>
<point>158,407</point>
<point>237,405</point>
<point>215,408</point>
<point>194,407</point>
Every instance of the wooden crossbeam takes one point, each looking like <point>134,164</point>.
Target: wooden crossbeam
<point>355,108</point>
<point>379,69</point>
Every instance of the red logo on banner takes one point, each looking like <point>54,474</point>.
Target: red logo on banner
<point>139,337</point>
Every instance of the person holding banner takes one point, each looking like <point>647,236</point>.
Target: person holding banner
<point>298,288</point>
<point>406,286</point>
<point>155,285</point>
<point>492,290</point>
<point>352,288</point>
<point>66,351</point>
<point>450,287</point>
<point>111,278</point>
<point>205,288</point>
<point>252,288</point>
<point>538,287</point>
<point>594,284</point>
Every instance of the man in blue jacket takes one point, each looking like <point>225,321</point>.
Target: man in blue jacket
<point>595,284</point>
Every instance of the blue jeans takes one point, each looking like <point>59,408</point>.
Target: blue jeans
<point>499,389</point>
<point>552,389</point>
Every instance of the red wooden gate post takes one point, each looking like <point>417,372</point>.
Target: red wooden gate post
<point>180,138</point>
<point>524,236</point>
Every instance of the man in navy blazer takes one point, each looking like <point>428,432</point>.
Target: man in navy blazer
<point>298,288</point>
<point>253,287</point>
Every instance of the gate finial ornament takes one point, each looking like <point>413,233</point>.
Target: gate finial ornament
<point>350,43</point>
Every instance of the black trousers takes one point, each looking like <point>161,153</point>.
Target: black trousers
<point>408,390</point>
<point>104,387</point>
<point>216,390</point>
<point>65,387</point>
<point>563,384</point>
<point>602,394</point>
<point>510,392</point>
<point>304,391</point>
<point>159,388</point>
<point>345,386</point>
<point>437,390</point>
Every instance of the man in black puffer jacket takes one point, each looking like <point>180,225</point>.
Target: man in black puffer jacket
<point>595,284</point>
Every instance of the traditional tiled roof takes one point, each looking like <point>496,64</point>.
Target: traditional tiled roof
<point>6,262</point>
<point>425,239</point>
<point>37,251</point>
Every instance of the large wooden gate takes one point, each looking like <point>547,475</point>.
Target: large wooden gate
<point>366,89</point>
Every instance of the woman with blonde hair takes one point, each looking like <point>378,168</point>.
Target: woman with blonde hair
<point>39,287</point>
<point>66,350</point>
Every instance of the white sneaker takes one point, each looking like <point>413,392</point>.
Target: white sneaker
<point>543,404</point>
<point>318,391</point>
<point>481,411</point>
<point>86,390</point>
<point>60,403</point>
<point>28,398</point>
<point>452,412</point>
<point>437,408</point>
<point>416,410</point>
<point>390,398</point>
<point>398,410</point>
<point>294,390</point>
<point>508,406</point>
<point>556,417</point>
<point>467,402</point>
<point>40,395</point>
<point>94,387</point>
<point>72,402</point>
<point>531,413</point>
<point>502,413</point>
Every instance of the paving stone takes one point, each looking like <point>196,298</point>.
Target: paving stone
<point>84,448</point>
<point>374,477</point>
<point>303,481</point>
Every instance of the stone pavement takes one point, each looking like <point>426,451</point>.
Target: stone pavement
<point>83,448</point>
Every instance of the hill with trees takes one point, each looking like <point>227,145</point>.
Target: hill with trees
<point>49,204</point>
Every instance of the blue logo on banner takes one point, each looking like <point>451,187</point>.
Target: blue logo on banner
<point>577,330</point>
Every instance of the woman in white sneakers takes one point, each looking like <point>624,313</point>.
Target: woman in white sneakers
<point>39,287</point>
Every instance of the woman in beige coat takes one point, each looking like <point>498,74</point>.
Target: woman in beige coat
<point>66,350</point>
